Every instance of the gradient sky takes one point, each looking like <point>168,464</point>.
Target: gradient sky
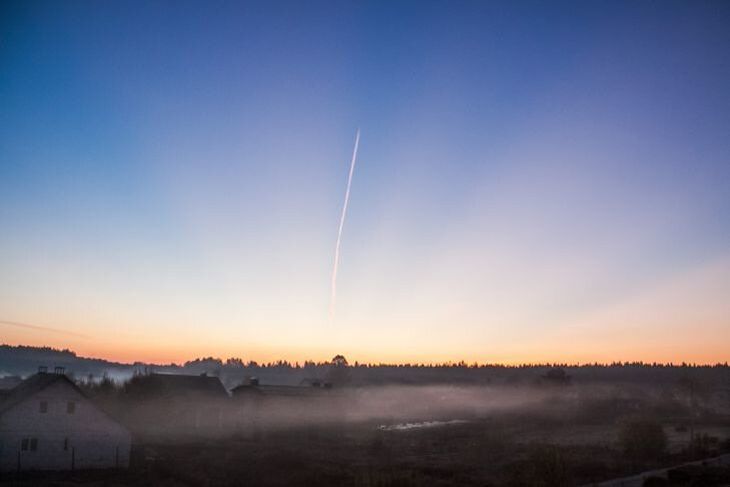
<point>536,180</point>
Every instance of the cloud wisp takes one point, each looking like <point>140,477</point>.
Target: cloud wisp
<point>47,329</point>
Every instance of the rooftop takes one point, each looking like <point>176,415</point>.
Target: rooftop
<point>30,386</point>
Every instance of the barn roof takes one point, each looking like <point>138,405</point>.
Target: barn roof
<point>30,386</point>
<point>279,391</point>
<point>188,385</point>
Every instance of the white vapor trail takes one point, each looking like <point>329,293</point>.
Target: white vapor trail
<point>333,297</point>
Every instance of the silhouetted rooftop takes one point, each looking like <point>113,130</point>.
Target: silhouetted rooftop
<point>7,383</point>
<point>188,385</point>
<point>278,390</point>
<point>30,386</point>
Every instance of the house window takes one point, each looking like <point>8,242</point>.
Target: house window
<point>27,444</point>
<point>43,407</point>
<point>71,407</point>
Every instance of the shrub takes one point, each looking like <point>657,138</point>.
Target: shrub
<point>642,439</point>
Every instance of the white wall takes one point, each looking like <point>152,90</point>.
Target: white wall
<point>94,439</point>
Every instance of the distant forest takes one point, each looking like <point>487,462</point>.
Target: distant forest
<point>25,360</point>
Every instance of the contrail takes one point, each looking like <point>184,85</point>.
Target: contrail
<point>333,297</point>
<point>41,328</point>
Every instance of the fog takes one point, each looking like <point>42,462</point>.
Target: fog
<point>271,408</point>
<point>402,403</point>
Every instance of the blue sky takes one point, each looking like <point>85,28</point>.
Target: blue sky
<point>171,177</point>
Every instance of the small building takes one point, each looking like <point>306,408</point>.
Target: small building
<point>47,423</point>
<point>258,405</point>
<point>174,404</point>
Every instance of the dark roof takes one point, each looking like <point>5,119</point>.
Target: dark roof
<point>188,385</point>
<point>32,385</point>
<point>8,382</point>
<point>279,391</point>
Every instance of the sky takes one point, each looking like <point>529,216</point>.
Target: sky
<point>536,181</point>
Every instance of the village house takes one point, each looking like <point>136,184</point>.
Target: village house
<point>258,405</point>
<point>173,404</point>
<point>47,423</point>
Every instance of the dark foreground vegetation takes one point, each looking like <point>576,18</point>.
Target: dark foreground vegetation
<point>507,451</point>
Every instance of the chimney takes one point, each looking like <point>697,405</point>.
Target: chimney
<point>58,370</point>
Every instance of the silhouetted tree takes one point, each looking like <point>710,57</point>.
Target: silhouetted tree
<point>339,361</point>
<point>338,373</point>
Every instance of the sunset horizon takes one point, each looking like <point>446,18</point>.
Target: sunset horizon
<point>520,188</point>
<point>156,356</point>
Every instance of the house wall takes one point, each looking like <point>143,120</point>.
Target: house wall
<point>94,439</point>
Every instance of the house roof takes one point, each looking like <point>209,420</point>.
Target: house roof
<point>30,386</point>
<point>279,391</point>
<point>37,383</point>
<point>8,382</point>
<point>188,385</point>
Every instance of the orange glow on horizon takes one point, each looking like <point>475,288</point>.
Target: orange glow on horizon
<point>165,356</point>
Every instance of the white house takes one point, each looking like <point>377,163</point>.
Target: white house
<point>46,423</point>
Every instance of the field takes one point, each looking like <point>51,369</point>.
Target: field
<point>555,442</point>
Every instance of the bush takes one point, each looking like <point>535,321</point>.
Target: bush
<point>642,439</point>
<point>545,466</point>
